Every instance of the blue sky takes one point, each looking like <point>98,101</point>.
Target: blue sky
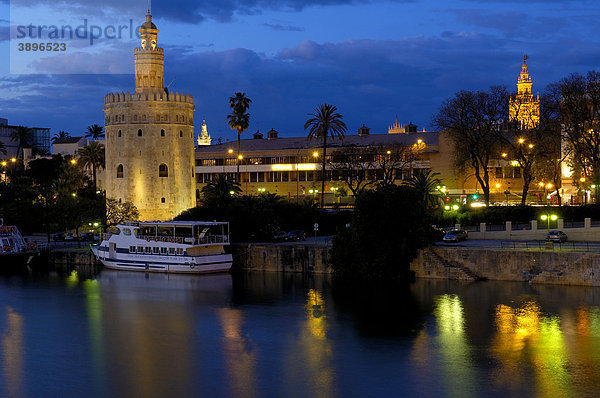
<point>375,60</point>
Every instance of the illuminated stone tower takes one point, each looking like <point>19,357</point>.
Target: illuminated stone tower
<point>150,138</point>
<point>524,107</point>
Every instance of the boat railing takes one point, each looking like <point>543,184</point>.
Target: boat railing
<point>205,240</point>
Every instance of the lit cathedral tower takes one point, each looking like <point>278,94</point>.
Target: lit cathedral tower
<point>524,107</point>
<point>150,138</point>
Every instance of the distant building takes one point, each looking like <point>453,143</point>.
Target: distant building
<point>204,137</point>
<point>68,145</point>
<point>524,107</point>
<point>40,138</point>
<point>398,128</point>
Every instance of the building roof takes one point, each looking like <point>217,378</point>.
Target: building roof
<point>67,140</point>
<point>298,143</point>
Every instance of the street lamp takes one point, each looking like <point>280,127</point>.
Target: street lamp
<point>547,218</point>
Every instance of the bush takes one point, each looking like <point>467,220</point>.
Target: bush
<point>257,218</point>
<point>388,228</point>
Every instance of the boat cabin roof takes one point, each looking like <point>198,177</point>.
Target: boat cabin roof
<point>172,223</point>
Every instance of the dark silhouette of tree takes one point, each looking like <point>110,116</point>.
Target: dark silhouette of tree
<point>239,120</point>
<point>325,121</point>
<point>59,135</point>
<point>220,191</point>
<point>2,148</point>
<point>95,132</point>
<point>425,183</point>
<point>472,119</point>
<point>22,136</point>
<point>92,156</point>
<point>118,212</point>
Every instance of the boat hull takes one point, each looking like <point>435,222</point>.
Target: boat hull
<point>211,264</point>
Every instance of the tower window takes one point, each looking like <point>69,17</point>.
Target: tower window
<point>162,200</point>
<point>120,171</point>
<point>162,133</point>
<point>163,170</point>
<point>119,133</point>
<point>180,133</point>
<point>139,132</point>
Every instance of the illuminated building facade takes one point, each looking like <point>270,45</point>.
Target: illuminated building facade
<point>150,138</point>
<point>524,107</point>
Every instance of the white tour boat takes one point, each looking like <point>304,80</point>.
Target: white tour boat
<point>177,246</point>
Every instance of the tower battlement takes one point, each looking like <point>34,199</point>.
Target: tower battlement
<point>148,96</point>
<point>157,50</point>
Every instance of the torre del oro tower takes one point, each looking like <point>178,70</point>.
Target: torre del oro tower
<point>150,138</point>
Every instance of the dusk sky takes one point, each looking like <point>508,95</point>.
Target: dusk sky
<point>375,60</point>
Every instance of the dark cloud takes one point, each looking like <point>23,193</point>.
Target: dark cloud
<point>287,28</point>
<point>371,81</point>
<point>195,11</point>
<point>513,23</point>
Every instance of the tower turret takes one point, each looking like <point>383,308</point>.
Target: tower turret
<point>524,107</point>
<point>149,59</point>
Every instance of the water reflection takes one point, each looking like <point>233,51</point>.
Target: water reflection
<point>12,353</point>
<point>454,348</point>
<point>240,358</point>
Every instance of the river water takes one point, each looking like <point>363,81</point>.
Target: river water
<point>274,335</point>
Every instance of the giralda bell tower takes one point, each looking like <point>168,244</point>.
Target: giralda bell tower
<point>150,138</point>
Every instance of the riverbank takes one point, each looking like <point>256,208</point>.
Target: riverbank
<point>457,263</point>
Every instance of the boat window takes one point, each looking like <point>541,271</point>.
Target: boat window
<point>148,230</point>
<point>131,249</point>
<point>155,250</point>
<point>140,249</point>
<point>148,249</point>
<point>163,250</point>
<point>171,250</point>
<point>179,251</point>
<point>165,231</point>
<point>126,231</point>
<point>183,232</point>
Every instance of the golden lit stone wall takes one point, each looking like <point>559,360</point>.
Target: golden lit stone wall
<point>147,129</point>
<point>524,107</point>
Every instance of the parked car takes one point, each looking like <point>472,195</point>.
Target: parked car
<point>556,236</point>
<point>279,236</point>
<point>59,236</point>
<point>70,237</point>
<point>294,235</point>
<point>456,235</point>
<point>87,236</point>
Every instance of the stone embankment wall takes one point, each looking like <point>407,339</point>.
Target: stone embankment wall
<point>281,258</point>
<point>562,268</point>
<point>72,257</point>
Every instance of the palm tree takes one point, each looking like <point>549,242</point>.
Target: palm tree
<point>426,184</point>
<point>92,157</point>
<point>22,135</point>
<point>94,132</point>
<point>325,121</point>
<point>220,191</point>
<point>239,120</point>
<point>61,134</point>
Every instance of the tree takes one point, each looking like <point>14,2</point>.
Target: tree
<point>95,132</point>
<point>325,121</point>
<point>391,161</point>
<point>425,184</point>
<point>92,156</point>
<point>118,212</point>
<point>239,120</point>
<point>579,104</point>
<point>220,191</point>
<point>471,119</point>
<point>352,164</point>
<point>22,135</point>
<point>59,135</point>
<point>2,148</point>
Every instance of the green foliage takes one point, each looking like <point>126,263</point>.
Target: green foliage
<point>257,218</point>
<point>220,192</point>
<point>389,226</point>
<point>94,132</point>
<point>118,212</point>
<point>425,183</point>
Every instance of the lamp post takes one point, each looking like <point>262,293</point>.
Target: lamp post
<point>547,217</point>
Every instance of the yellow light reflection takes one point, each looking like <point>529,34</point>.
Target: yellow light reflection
<point>12,353</point>
<point>457,368</point>
<point>73,279</point>
<point>240,359</point>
